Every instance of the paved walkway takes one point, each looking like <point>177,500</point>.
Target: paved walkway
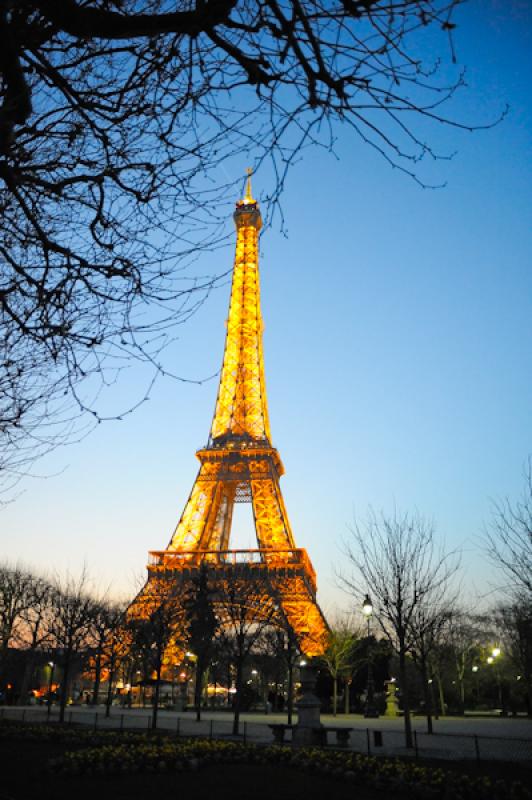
<point>467,737</point>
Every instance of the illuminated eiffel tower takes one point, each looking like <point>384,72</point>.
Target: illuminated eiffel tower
<point>240,465</point>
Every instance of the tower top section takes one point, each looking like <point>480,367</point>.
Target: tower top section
<point>247,210</point>
<point>241,414</point>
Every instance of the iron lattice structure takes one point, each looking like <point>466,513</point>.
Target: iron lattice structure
<point>239,464</point>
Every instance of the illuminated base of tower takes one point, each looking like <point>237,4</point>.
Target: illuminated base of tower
<point>284,575</point>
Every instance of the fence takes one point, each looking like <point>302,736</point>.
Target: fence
<point>455,746</point>
<point>447,746</point>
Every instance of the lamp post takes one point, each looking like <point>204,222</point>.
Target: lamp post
<point>474,670</point>
<point>49,704</point>
<point>495,653</point>
<point>370,710</point>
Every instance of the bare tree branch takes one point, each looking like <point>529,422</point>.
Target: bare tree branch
<point>397,561</point>
<point>118,119</point>
<point>508,540</point>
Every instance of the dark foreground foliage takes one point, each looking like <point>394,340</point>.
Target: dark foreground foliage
<point>54,763</point>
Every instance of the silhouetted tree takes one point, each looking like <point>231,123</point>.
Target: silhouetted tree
<point>246,608</point>
<point>107,619</point>
<point>509,540</point>
<point>158,633</point>
<point>34,634</point>
<point>74,611</point>
<point>115,118</point>
<point>116,647</point>
<point>15,599</point>
<point>428,624</point>
<point>397,560</point>
<point>202,625</point>
<point>515,622</point>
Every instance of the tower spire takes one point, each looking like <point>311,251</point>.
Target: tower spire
<point>248,197</point>
<point>241,406</point>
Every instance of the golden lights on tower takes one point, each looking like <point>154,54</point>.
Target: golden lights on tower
<point>239,464</point>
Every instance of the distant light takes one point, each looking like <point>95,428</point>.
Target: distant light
<point>189,654</point>
<point>50,663</point>
<point>303,663</point>
<point>474,668</point>
<point>518,677</point>
<point>496,652</point>
<point>254,672</point>
<point>429,680</point>
<point>490,659</point>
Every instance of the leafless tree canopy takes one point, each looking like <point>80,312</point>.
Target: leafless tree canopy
<point>120,121</point>
<point>397,560</point>
<point>509,540</point>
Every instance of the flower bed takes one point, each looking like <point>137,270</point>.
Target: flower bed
<point>121,752</point>
<point>386,775</point>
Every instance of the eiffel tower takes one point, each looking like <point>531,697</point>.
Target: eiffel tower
<point>239,465</point>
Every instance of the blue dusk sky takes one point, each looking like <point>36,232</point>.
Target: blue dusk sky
<point>398,353</point>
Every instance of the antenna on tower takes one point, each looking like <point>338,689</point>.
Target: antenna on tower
<point>248,197</point>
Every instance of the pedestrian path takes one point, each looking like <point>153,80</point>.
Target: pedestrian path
<point>468,738</point>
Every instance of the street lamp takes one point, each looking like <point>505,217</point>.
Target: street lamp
<point>370,710</point>
<point>474,670</point>
<point>367,608</point>
<point>493,660</point>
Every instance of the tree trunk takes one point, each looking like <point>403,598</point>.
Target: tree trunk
<point>27,677</point>
<point>432,701</point>
<point>214,678</point>
<point>64,686</point>
<point>441,695</point>
<point>200,669</point>
<point>109,698</point>
<point>290,698</point>
<point>156,699</point>
<point>238,686</point>
<point>335,695</point>
<point>347,684</point>
<point>405,698</point>
<point>460,681</point>
<point>427,695</point>
<point>97,677</point>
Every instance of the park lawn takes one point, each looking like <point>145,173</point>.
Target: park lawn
<point>24,777</point>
